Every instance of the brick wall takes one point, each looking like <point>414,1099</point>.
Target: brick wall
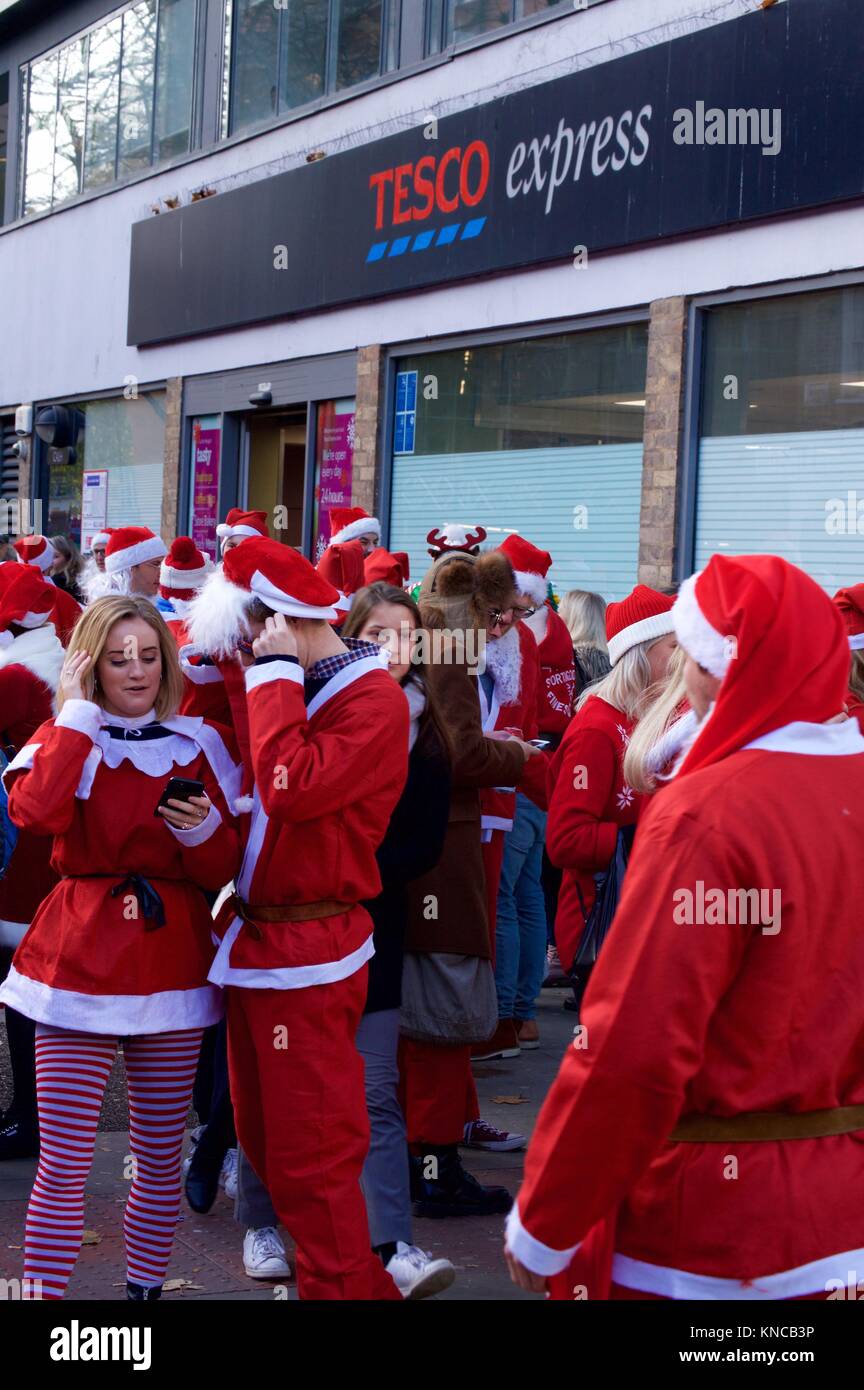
<point>367,426</point>
<point>664,412</point>
<point>171,467</point>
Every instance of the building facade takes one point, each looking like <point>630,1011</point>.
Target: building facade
<point>592,271</point>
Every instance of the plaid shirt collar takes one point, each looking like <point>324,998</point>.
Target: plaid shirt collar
<point>328,666</point>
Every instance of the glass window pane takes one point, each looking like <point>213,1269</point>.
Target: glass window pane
<point>71,115</point>
<point>256,49</point>
<point>786,364</point>
<point>174,77</point>
<point>435,23</point>
<point>304,53</point>
<point>359,56</point>
<point>136,87</point>
<point>468,18</point>
<point>103,95</point>
<point>524,8</point>
<point>41,124</point>
<point>226,67</point>
<point>4,128</point>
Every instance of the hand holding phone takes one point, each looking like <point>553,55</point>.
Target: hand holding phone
<point>183,804</point>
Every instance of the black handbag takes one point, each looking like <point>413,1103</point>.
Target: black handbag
<point>608,891</point>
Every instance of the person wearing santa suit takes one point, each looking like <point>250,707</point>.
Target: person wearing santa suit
<point>31,656</point>
<point>343,567</point>
<point>93,581</point>
<point>240,526</point>
<point>329,745</point>
<point>65,611</point>
<point>851,604</point>
<point>354,524</point>
<point>521,931</point>
<point>122,945</point>
<point>133,558</point>
<point>589,801</point>
<point>705,1141</point>
<point>509,691</point>
<point>181,575</point>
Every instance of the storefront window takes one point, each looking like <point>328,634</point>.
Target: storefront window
<point>541,436</point>
<point>126,440</point>
<point>110,102</point>
<point>334,461</point>
<point>452,21</point>
<point>206,460</point>
<point>782,432</point>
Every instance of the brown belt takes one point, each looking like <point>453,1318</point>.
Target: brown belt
<point>768,1124</point>
<point>252,913</point>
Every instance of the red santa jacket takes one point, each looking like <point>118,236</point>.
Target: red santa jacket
<point>498,804</point>
<point>689,1012</point>
<point>93,958</point>
<point>588,803</point>
<point>29,672</point>
<point>557,677</point>
<point>214,690</point>
<point>327,779</point>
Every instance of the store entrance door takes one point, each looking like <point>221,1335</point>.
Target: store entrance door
<point>276,470</point>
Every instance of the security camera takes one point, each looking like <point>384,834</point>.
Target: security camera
<point>21,448</point>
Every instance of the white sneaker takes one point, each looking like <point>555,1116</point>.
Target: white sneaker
<point>416,1274</point>
<point>264,1254</point>
<point>194,1136</point>
<point>228,1176</point>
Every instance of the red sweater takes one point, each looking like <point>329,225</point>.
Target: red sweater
<point>326,782</point>
<point>588,803</point>
<point>557,677</point>
<point>721,1019</point>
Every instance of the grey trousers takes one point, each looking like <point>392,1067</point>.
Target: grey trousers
<point>385,1178</point>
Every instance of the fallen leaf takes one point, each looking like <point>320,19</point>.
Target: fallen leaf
<point>91,1238</point>
<point>509,1100</point>
<point>173,1285</point>
<point>14,1247</point>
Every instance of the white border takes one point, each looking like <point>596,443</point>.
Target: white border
<point>684,1284</point>
<point>120,1014</point>
<point>284,976</point>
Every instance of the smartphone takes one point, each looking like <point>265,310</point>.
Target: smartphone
<point>180,789</point>
<point>539,742</point>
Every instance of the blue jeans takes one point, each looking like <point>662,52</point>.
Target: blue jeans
<point>520,932</point>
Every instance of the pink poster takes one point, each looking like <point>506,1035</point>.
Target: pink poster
<point>206,445</point>
<point>334,460</point>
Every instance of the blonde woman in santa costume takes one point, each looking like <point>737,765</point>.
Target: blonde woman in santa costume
<point>708,1140</point>
<point>122,945</point>
<point>30,660</point>
<point>590,800</point>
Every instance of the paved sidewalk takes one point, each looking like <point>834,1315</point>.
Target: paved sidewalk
<point>207,1250</point>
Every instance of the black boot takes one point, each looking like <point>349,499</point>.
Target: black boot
<point>17,1139</point>
<point>202,1178</point>
<point>454,1192</point>
<point>137,1293</point>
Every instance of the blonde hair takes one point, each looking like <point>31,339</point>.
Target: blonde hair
<point>585,616</point>
<point>627,684</point>
<point>660,705</point>
<point>856,674</point>
<point>91,635</point>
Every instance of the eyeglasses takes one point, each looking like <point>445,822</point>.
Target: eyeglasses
<point>498,616</point>
<point>521,613</point>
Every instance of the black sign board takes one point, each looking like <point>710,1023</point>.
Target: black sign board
<point>743,120</point>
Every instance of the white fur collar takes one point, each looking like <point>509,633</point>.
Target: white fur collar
<point>40,651</point>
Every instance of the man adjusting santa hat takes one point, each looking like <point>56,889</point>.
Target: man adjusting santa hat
<point>717,1013</point>
<point>240,526</point>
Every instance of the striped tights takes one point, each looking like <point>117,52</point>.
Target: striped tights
<point>72,1070</point>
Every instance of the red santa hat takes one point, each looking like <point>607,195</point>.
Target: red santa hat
<point>276,574</point>
<point>530,567</point>
<point>36,550</point>
<point>350,523</point>
<point>240,525</point>
<point>25,600</point>
<point>183,570</point>
<point>642,616</point>
<point>102,537</point>
<point>132,545</point>
<point>342,566</point>
<point>385,567</point>
<point>851,605</point>
<point>775,640</point>
<point>454,536</point>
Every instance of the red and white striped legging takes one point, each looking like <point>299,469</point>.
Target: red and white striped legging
<point>71,1074</point>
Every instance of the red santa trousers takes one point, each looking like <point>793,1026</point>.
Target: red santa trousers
<point>300,1109</point>
<point>436,1092</point>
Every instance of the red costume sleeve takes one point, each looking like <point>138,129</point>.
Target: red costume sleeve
<point>645,1019</point>
<point>577,837</point>
<point>24,703</point>
<point>211,852</point>
<point>300,775</point>
<point>42,793</point>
